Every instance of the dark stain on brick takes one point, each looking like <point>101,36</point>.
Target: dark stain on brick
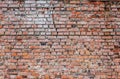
<point>73,25</point>
<point>117,47</point>
<point>38,60</point>
<point>57,76</point>
<point>24,76</point>
<point>43,43</point>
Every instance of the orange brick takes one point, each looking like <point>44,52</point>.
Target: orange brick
<point>19,77</point>
<point>1,27</point>
<point>64,77</point>
<point>14,54</point>
<point>47,76</point>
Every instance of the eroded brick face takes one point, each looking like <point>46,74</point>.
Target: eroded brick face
<point>59,39</point>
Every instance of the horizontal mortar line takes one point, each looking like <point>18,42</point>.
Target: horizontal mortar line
<point>70,11</point>
<point>44,7</point>
<point>67,10</point>
<point>80,27</point>
<point>53,24</point>
<point>60,35</point>
<point>41,6</point>
<point>53,9</point>
<point>78,10</point>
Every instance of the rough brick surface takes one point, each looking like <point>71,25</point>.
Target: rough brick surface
<point>59,39</point>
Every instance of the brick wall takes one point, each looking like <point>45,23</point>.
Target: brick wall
<point>59,39</point>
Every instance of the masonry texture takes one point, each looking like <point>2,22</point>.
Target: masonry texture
<point>59,39</point>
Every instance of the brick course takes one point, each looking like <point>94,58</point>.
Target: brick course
<point>59,39</point>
